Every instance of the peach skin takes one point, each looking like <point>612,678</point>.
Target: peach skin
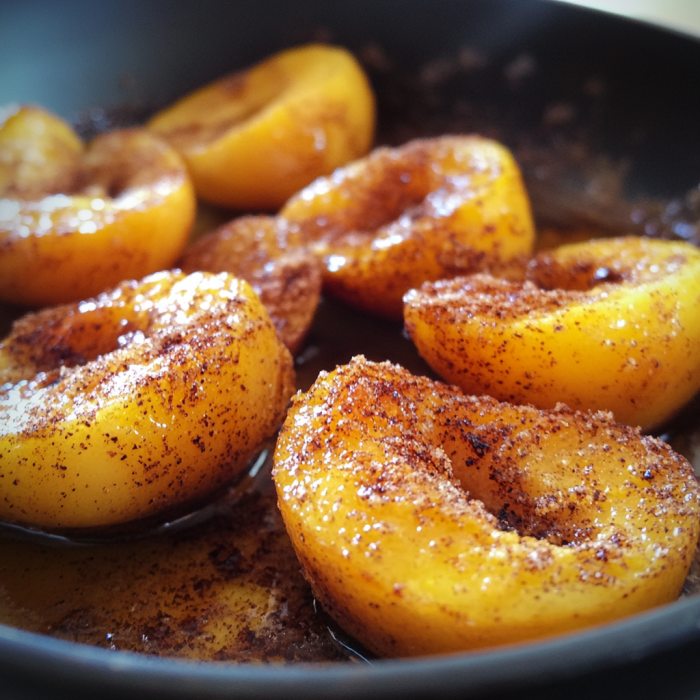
<point>40,152</point>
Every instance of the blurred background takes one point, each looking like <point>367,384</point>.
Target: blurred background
<point>681,15</point>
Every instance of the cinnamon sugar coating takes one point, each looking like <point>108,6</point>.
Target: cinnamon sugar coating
<point>430,209</point>
<point>611,324</point>
<point>429,521</point>
<point>287,277</point>
<point>129,404</point>
<point>77,220</point>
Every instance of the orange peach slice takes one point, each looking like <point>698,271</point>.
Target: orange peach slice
<point>137,401</point>
<point>254,138</point>
<point>428,521</point>
<point>430,209</point>
<point>286,277</point>
<point>123,210</point>
<point>611,324</point>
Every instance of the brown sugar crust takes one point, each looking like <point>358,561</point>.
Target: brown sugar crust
<point>286,277</point>
<point>122,406</point>
<point>429,521</point>
<point>430,209</point>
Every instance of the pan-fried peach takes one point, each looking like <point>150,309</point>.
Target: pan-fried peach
<point>40,152</point>
<point>128,404</point>
<point>254,138</point>
<point>74,222</point>
<point>286,277</point>
<point>430,209</point>
<point>611,324</point>
<point>428,521</point>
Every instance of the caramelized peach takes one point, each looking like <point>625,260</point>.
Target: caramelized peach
<point>254,138</point>
<point>40,152</point>
<point>74,223</point>
<point>611,324</point>
<point>286,277</point>
<point>433,208</point>
<point>133,402</point>
<point>428,521</point>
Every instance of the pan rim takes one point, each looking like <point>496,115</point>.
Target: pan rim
<point>631,639</point>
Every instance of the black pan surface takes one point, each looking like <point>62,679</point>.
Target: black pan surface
<point>625,89</point>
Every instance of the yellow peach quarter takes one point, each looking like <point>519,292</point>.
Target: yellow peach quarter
<point>612,324</point>
<point>137,401</point>
<point>429,521</point>
<point>254,138</point>
<point>429,209</point>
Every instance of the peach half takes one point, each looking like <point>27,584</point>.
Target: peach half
<point>286,277</point>
<point>428,521</point>
<point>40,152</point>
<point>429,209</point>
<point>610,324</point>
<point>137,401</point>
<point>76,221</point>
<point>255,137</point>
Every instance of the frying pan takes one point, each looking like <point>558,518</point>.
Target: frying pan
<point>538,73</point>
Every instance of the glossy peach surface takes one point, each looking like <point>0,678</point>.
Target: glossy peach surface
<point>428,521</point>
<point>254,138</point>
<point>138,400</point>
<point>74,222</point>
<point>430,209</point>
<point>612,324</point>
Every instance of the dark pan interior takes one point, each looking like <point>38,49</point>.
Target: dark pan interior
<point>631,87</point>
<point>74,55</point>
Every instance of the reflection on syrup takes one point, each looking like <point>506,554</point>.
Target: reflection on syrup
<point>226,589</point>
